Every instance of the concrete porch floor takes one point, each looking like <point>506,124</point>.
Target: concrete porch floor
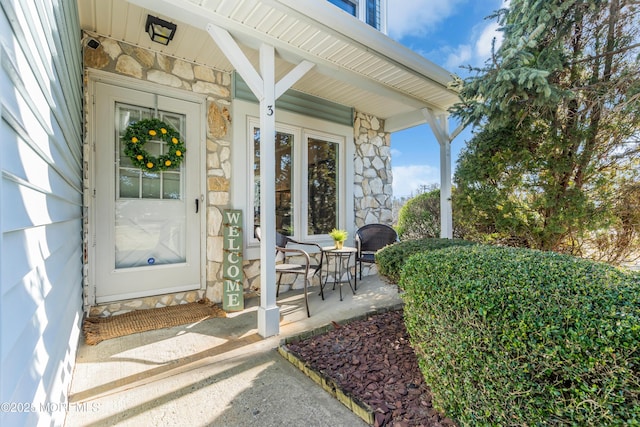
<point>218,372</point>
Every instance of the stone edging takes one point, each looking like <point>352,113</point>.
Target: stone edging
<point>361,409</point>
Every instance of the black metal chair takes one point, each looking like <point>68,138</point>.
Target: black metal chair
<point>370,239</point>
<point>284,266</point>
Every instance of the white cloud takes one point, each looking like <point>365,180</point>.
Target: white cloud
<point>417,17</point>
<point>477,53</point>
<point>485,40</point>
<point>462,56</point>
<point>420,18</point>
<point>408,179</point>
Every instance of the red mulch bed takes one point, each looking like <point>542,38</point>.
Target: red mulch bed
<point>372,360</point>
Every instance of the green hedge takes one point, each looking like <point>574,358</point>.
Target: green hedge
<point>391,258</point>
<point>509,336</point>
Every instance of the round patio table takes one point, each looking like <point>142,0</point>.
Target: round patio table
<point>341,267</point>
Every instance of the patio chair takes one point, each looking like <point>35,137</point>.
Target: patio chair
<point>284,266</point>
<point>369,239</point>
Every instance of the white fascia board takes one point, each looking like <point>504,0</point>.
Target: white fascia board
<point>199,17</point>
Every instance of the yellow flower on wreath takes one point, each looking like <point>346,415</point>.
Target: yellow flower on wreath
<point>152,132</point>
<point>174,140</point>
<point>134,140</point>
<point>178,153</point>
<point>150,165</point>
<point>167,163</point>
<point>139,157</point>
<point>163,131</point>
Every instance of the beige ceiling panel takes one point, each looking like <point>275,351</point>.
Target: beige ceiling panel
<point>398,80</point>
<point>271,19</point>
<point>103,17</point>
<point>377,68</point>
<point>247,11</point>
<point>294,32</point>
<point>354,60</point>
<point>302,35</point>
<point>210,4</point>
<point>370,63</point>
<point>226,7</point>
<point>281,27</point>
<point>312,39</point>
<point>134,29</point>
<point>122,10</point>
<point>385,73</point>
<point>257,16</point>
<point>343,54</point>
<point>326,47</point>
<point>87,14</point>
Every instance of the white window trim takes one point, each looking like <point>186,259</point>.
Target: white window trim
<point>301,127</point>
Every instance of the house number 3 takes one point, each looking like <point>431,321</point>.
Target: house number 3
<point>269,110</point>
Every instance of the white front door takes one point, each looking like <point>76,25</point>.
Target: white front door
<point>148,224</point>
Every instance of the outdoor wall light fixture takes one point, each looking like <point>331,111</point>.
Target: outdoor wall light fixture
<point>160,30</point>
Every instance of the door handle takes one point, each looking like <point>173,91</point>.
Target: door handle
<point>197,205</point>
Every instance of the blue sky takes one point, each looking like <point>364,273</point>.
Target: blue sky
<point>450,33</point>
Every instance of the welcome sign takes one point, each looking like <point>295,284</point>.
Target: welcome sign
<point>233,297</point>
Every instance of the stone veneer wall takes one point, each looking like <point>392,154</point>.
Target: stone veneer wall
<point>124,59</point>
<point>373,195</point>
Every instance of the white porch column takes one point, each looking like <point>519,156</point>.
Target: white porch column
<point>268,312</point>
<point>446,211</point>
<point>440,127</point>
<point>265,88</point>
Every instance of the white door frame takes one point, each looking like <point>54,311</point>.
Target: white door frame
<point>95,76</point>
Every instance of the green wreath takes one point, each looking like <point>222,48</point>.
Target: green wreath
<point>138,133</point>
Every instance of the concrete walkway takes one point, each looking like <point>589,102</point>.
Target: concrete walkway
<point>218,372</point>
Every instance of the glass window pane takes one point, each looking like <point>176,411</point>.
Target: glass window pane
<point>150,185</point>
<point>173,120</point>
<point>373,13</point>
<point>171,185</point>
<point>284,181</point>
<point>322,182</point>
<point>346,5</point>
<point>125,161</point>
<point>129,183</point>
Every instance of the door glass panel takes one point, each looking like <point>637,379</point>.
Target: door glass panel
<point>129,183</point>
<point>171,185</point>
<point>322,157</point>
<point>151,185</point>
<point>284,181</point>
<point>150,213</point>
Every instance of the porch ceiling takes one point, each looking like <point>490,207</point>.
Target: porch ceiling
<point>356,65</point>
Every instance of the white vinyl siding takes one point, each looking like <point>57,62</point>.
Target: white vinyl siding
<point>41,206</point>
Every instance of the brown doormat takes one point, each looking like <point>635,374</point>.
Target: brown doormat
<point>97,329</point>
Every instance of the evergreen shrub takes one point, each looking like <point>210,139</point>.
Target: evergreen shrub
<point>391,258</point>
<point>508,336</point>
